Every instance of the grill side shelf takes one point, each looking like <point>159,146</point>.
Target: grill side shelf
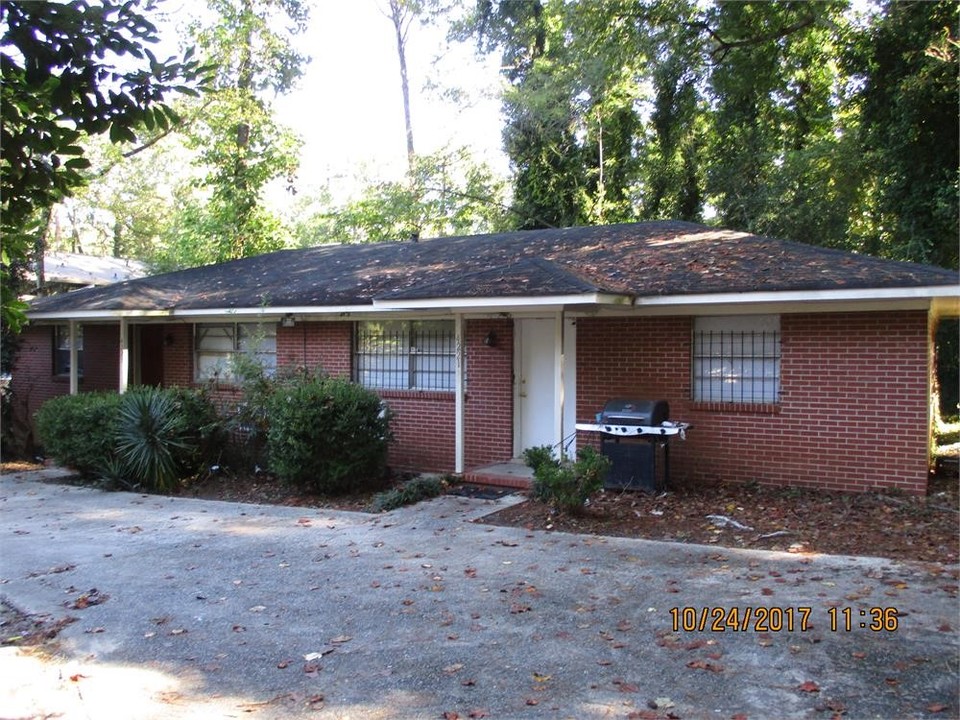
<point>633,430</point>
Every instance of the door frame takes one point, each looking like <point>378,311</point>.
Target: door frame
<point>563,394</point>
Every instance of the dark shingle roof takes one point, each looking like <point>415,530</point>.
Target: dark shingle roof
<point>641,260</point>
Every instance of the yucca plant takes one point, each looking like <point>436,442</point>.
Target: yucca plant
<point>150,438</point>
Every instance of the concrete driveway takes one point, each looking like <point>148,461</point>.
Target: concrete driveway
<point>196,609</point>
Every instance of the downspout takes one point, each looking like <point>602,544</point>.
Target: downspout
<point>459,393</point>
<point>124,357</point>
<point>74,357</point>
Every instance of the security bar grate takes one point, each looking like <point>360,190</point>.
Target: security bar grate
<point>406,355</point>
<point>736,367</point>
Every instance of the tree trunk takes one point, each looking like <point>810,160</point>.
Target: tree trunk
<point>398,17</point>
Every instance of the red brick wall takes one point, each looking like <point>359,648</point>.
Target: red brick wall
<point>488,411</point>
<point>853,410</point>
<point>423,430</point>
<point>424,422</point>
<point>317,345</point>
<point>852,416</point>
<point>34,383</point>
<point>178,355</point>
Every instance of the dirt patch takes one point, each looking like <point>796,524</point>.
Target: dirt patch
<point>264,489</point>
<point>791,519</point>
<point>887,525</point>
<point>769,518</point>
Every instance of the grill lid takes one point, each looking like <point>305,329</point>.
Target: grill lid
<point>635,412</point>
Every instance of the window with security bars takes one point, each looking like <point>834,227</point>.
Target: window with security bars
<point>405,354</point>
<point>737,359</point>
<point>219,346</point>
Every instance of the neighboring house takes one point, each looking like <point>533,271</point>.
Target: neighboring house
<point>63,271</point>
<point>795,364</point>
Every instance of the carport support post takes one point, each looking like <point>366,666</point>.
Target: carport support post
<point>558,361</point>
<point>74,356</point>
<point>124,356</point>
<point>458,387</point>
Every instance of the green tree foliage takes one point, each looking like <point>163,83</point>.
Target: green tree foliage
<point>802,120</point>
<point>235,136</point>
<point>447,193</point>
<point>909,134</point>
<point>67,71</point>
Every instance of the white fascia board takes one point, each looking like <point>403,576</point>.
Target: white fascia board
<point>65,315</point>
<point>211,313</point>
<point>272,311</point>
<point>802,296</point>
<point>499,303</point>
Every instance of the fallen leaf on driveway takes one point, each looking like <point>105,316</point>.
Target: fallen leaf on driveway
<point>339,639</point>
<point>809,686</point>
<point>455,667</point>
<point>704,665</point>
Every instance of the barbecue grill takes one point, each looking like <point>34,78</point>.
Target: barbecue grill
<point>633,434</point>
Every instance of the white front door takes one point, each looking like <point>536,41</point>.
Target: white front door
<point>536,404</point>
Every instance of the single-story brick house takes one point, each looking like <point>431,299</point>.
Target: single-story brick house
<point>795,364</point>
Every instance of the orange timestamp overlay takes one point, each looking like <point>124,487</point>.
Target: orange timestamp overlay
<point>763,618</point>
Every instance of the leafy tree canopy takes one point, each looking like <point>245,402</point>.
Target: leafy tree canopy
<point>67,71</point>
<point>798,119</point>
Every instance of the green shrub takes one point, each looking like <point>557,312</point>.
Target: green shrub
<point>146,439</point>
<point>151,438</point>
<point>204,430</point>
<point>327,435</point>
<point>77,431</point>
<point>564,484</point>
<point>534,457</point>
<point>420,488</point>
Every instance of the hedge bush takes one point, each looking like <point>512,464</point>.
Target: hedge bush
<point>204,430</point>
<point>564,484</point>
<point>147,438</point>
<point>327,435</point>
<point>78,430</point>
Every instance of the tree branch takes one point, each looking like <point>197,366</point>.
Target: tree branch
<point>724,46</point>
